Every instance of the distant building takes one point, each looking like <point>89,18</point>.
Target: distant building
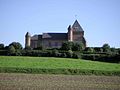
<point>54,40</point>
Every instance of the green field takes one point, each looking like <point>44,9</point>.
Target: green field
<point>56,65</point>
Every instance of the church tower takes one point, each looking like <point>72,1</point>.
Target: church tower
<point>27,39</point>
<point>76,33</point>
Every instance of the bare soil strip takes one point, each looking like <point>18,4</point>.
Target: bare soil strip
<point>18,81</point>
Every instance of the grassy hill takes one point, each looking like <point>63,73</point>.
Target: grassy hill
<point>51,65</point>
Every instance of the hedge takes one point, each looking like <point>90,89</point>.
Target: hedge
<point>58,71</point>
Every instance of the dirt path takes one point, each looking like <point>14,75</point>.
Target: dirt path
<point>57,82</point>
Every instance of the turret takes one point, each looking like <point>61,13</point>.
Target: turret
<point>27,39</point>
<point>70,33</point>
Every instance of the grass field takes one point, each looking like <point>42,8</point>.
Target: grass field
<point>56,65</point>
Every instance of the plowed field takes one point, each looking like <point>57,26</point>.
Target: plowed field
<point>16,81</point>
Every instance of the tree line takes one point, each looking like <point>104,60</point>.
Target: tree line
<point>67,50</point>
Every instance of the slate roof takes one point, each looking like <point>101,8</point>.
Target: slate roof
<point>77,26</point>
<point>35,37</point>
<point>55,36</point>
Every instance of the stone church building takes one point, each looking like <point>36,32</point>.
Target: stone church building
<point>54,40</point>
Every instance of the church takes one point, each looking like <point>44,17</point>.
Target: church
<point>75,33</point>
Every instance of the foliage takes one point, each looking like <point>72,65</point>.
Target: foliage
<point>1,46</point>
<point>28,48</point>
<point>98,49</point>
<point>102,58</point>
<point>106,48</point>
<point>11,50</point>
<point>66,46</point>
<point>39,48</point>
<point>75,46</point>
<point>69,54</point>
<point>89,49</point>
<point>16,45</point>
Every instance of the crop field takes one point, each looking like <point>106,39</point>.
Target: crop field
<point>13,81</point>
<point>51,65</point>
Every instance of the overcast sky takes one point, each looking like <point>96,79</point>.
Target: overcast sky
<point>100,19</point>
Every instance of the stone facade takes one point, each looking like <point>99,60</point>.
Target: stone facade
<point>54,40</point>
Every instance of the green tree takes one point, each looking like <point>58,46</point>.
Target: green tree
<point>98,49</point>
<point>69,53</point>
<point>28,48</point>
<point>114,51</point>
<point>16,45</point>
<point>67,46</point>
<point>11,50</point>
<point>89,49</point>
<point>1,46</point>
<point>106,48</point>
<point>55,53</point>
<point>78,46</point>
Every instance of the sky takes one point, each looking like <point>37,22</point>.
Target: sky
<point>100,19</point>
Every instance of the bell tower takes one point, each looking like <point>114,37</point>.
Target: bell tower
<point>27,39</point>
<point>76,33</point>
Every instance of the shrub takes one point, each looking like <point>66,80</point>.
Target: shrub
<point>106,48</point>
<point>102,57</point>
<point>69,54</point>
<point>16,45</point>
<point>28,48</point>
<point>3,52</point>
<point>11,50</point>
<point>1,46</point>
<point>55,53</point>
<point>63,55</point>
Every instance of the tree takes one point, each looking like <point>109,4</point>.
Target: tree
<point>98,49</point>
<point>55,53</point>
<point>69,53</point>
<point>114,51</point>
<point>11,50</point>
<point>16,45</point>
<point>106,48</point>
<point>89,49</point>
<point>78,46</point>
<point>1,46</point>
<point>28,48</point>
<point>67,46</point>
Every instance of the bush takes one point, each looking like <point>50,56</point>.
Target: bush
<point>28,48</point>
<point>58,71</point>
<point>69,54</point>
<point>63,55</point>
<point>3,52</point>
<point>11,50</point>
<point>55,53</point>
<point>102,57</point>
<point>1,46</point>
<point>16,45</point>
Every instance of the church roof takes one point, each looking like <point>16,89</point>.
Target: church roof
<point>55,36</point>
<point>77,26</point>
<point>35,37</point>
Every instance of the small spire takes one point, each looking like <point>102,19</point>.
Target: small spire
<point>27,34</point>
